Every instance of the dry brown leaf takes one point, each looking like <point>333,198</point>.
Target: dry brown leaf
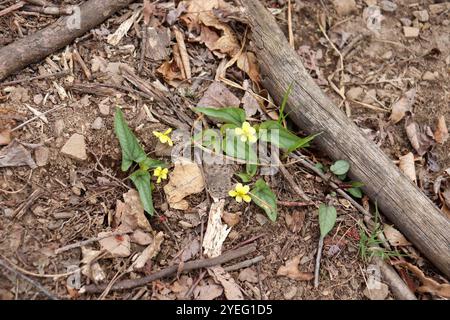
<point>207,292</point>
<point>232,290</point>
<point>186,67</point>
<point>291,270</point>
<point>191,250</point>
<point>218,95</point>
<point>181,286</point>
<point>216,231</point>
<point>247,62</point>
<point>231,219</point>
<point>377,291</point>
<point>402,106</point>
<point>295,221</point>
<point>15,155</point>
<point>170,71</point>
<point>141,238</point>
<point>421,137</point>
<point>158,43</point>
<point>249,103</point>
<point>185,179</point>
<point>150,252</point>
<point>249,275</point>
<point>130,213</point>
<point>147,11</point>
<point>441,133</point>
<point>225,42</point>
<point>116,246</point>
<point>5,137</point>
<point>394,236</point>
<point>428,285</point>
<point>91,269</point>
<point>407,166</point>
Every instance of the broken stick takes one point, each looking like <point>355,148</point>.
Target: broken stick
<point>188,266</point>
<point>39,45</point>
<point>402,202</point>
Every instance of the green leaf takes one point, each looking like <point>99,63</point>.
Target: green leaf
<point>234,147</point>
<point>150,163</point>
<point>245,177</point>
<point>273,132</point>
<point>251,169</point>
<point>320,167</point>
<point>342,176</point>
<point>283,103</point>
<point>141,180</point>
<point>355,191</point>
<point>131,149</point>
<point>265,199</point>
<point>228,115</point>
<point>327,219</point>
<point>210,139</point>
<point>303,142</point>
<point>340,167</point>
<point>356,184</point>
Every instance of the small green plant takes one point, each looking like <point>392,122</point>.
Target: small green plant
<point>237,140</point>
<point>327,219</point>
<point>369,244</point>
<point>340,169</point>
<point>132,152</point>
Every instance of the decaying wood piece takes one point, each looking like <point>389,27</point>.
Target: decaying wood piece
<point>401,201</point>
<point>39,45</point>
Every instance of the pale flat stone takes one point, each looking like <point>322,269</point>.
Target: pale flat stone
<point>75,147</point>
<point>41,155</point>
<point>411,32</point>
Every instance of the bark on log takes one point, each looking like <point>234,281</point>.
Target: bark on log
<point>39,45</point>
<point>401,201</point>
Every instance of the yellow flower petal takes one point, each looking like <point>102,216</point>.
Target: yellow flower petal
<point>245,189</point>
<point>238,199</point>
<point>159,180</point>
<point>252,139</point>
<point>169,141</point>
<point>168,131</point>
<point>157,134</point>
<point>246,125</point>
<point>243,138</point>
<point>246,198</point>
<point>251,130</point>
<point>238,131</point>
<point>232,193</point>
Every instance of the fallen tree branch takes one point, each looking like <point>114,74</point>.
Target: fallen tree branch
<point>39,45</point>
<point>402,202</point>
<point>188,266</point>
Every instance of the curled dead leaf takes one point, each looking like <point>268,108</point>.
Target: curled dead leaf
<point>421,137</point>
<point>394,236</point>
<point>116,246</point>
<point>403,105</point>
<point>150,252</point>
<point>291,270</point>
<point>441,133</point>
<point>407,166</point>
<point>218,95</point>
<point>232,290</point>
<point>247,62</point>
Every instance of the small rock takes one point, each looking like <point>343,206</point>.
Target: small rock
<point>406,22</point>
<point>231,219</point>
<point>75,147</point>
<point>421,15</point>
<point>388,55</point>
<point>262,220</point>
<point>378,291</point>
<point>41,155</point>
<point>344,7</point>
<point>371,2</point>
<point>38,98</point>
<point>388,6</point>
<point>59,127</point>
<point>430,76</point>
<point>104,109</point>
<point>8,212</point>
<point>97,124</point>
<point>438,8</point>
<point>354,93</point>
<point>411,32</point>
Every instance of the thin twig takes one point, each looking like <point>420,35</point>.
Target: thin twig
<point>44,76</point>
<point>317,267</point>
<point>12,8</point>
<point>188,266</point>
<point>29,280</point>
<point>291,33</point>
<point>37,117</point>
<point>244,264</point>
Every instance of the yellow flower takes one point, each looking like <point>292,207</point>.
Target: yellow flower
<point>164,136</point>
<point>240,193</point>
<point>160,173</point>
<point>247,132</point>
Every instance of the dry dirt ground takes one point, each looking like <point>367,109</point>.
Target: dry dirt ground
<point>64,201</point>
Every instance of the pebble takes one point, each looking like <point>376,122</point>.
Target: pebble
<point>430,76</point>
<point>75,147</point>
<point>388,6</point>
<point>104,109</point>
<point>406,22</point>
<point>97,124</point>
<point>411,32</point>
<point>421,15</point>
<point>41,155</point>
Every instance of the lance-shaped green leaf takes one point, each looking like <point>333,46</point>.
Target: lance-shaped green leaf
<point>234,147</point>
<point>131,149</point>
<point>302,142</point>
<point>149,163</point>
<point>327,219</point>
<point>355,191</point>
<point>263,196</point>
<point>340,167</point>
<point>235,116</point>
<point>141,180</point>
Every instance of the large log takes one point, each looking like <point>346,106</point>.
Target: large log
<point>39,45</point>
<point>399,199</point>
